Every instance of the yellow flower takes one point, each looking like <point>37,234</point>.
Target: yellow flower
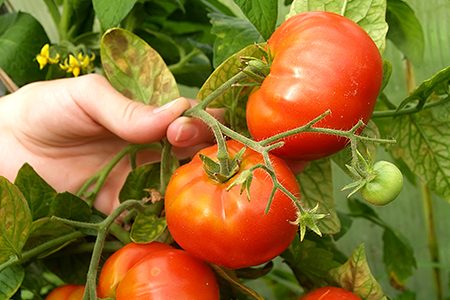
<point>76,65</point>
<point>44,58</point>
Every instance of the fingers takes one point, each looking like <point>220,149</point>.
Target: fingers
<point>132,121</point>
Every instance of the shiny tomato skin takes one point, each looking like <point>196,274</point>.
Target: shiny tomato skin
<point>330,293</point>
<point>66,292</point>
<point>118,264</point>
<point>169,274</point>
<point>321,61</point>
<point>225,227</point>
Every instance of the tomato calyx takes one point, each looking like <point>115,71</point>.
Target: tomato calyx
<point>223,170</point>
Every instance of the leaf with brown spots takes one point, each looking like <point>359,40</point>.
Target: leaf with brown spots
<point>135,69</point>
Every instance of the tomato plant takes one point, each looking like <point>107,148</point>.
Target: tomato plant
<point>169,274</point>
<point>222,225</point>
<point>321,61</point>
<point>120,262</point>
<point>330,293</point>
<point>66,292</point>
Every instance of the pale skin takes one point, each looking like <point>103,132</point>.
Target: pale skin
<point>68,129</point>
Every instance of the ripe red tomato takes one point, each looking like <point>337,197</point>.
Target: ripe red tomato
<point>321,61</point>
<point>66,292</point>
<point>169,274</point>
<point>224,226</point>
<point>118,264</point>
<point>330,293</point>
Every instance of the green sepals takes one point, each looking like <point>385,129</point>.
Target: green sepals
<point>308,219</point>
<point>244,180</point>
<point>214,170</point>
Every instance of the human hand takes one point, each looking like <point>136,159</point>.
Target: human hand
<point>68,129</point>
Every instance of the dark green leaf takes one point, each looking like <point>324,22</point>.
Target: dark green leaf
<point>233,34</point>
<point>355,276</point>
<point>316,184</point>
<point>70,268</point>
<point>387,72</point>
<point>139,181</point>
<point>398,257</point>
<point>38,193</point>
<point>21,39</point>
<point>10,281</point>
<point>111,13</point>
<point>15,219</point>
<point>69,206</point>
<point>405,30</point>
<point>361,209</point>
<point>45,229</point>
<point>262,14</point>
<point>370,15</point>
<point>255,272</point>
<point>135,69</point>
<point>35,280</point>
<point>406,295</point>
<point>147,228</point>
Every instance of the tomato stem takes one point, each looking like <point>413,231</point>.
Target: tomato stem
<point>409,110</point>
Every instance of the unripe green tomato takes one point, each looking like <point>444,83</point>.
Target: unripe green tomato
<point>386,185</point>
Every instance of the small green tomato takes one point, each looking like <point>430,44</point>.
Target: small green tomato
<point>385,186</point>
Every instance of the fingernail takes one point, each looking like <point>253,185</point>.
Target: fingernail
<point>186,132</point>
<point>168,105</point>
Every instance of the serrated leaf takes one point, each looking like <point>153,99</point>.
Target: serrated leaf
<point>111,13</point>
<point>370,15</point>
<point>262,14</point>
<point>15,219</point>
<point>355,276</point>
<point>38,193</point>
<point>10,281</point>
<point>398,257</point>
<point>423,144</point>
<point>405,30</point>
<point>138,182</point>
<point>235,98</point>
<point>316,184</point>
<point>69,206</point>
<point>232,35</point>
<point>147,228</point>
<point>135,69</point>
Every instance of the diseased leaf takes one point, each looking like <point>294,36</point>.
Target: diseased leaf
<point>135,69</point>
<point>38,193</point>
<point>405,30</point>
<point>69,206</point>
<point>398,258</point>
<point>235,98</point>
<point>232,35</point>
<point>15,222</point>
<point>370,15</point>
<point>262,14</point>
<point>10,281</point>
<point>355,276</point>
<point>111,13</point>
<point>138,182</point>
<point>147,228</point>
<point>316,184</point>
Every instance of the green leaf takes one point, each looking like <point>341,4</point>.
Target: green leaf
<point>69,206</point>
<point>405,30</point>
<point>262,14</point>
<point>316,184</point>
<point>232,35</point>
<point>423,144</point>
<point>359,208</point>
<point>38,193</point>
<point>10,281</point>
<point>111,13</point>
<point>355,276</point>
<point>370,15</point>
<point>139,181</point>
<point>398,257</point>
<point>70,268</point>
<point>135,69</point>
<point>147,228</point>
<point>45,229</point>
<point>15,219</point>
<point>235,98</point>
<point>21,39</point>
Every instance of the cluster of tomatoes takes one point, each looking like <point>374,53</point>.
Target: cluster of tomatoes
<point>320,62</point>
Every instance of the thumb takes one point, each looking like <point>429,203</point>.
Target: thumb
<point>132,121</point>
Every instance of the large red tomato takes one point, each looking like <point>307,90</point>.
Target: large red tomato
<point>224,226</point>
<point>118,264</point>
<point>67,292</point>
<point>169,274</point>
<point>330,293</point>
<point>321,61</point>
